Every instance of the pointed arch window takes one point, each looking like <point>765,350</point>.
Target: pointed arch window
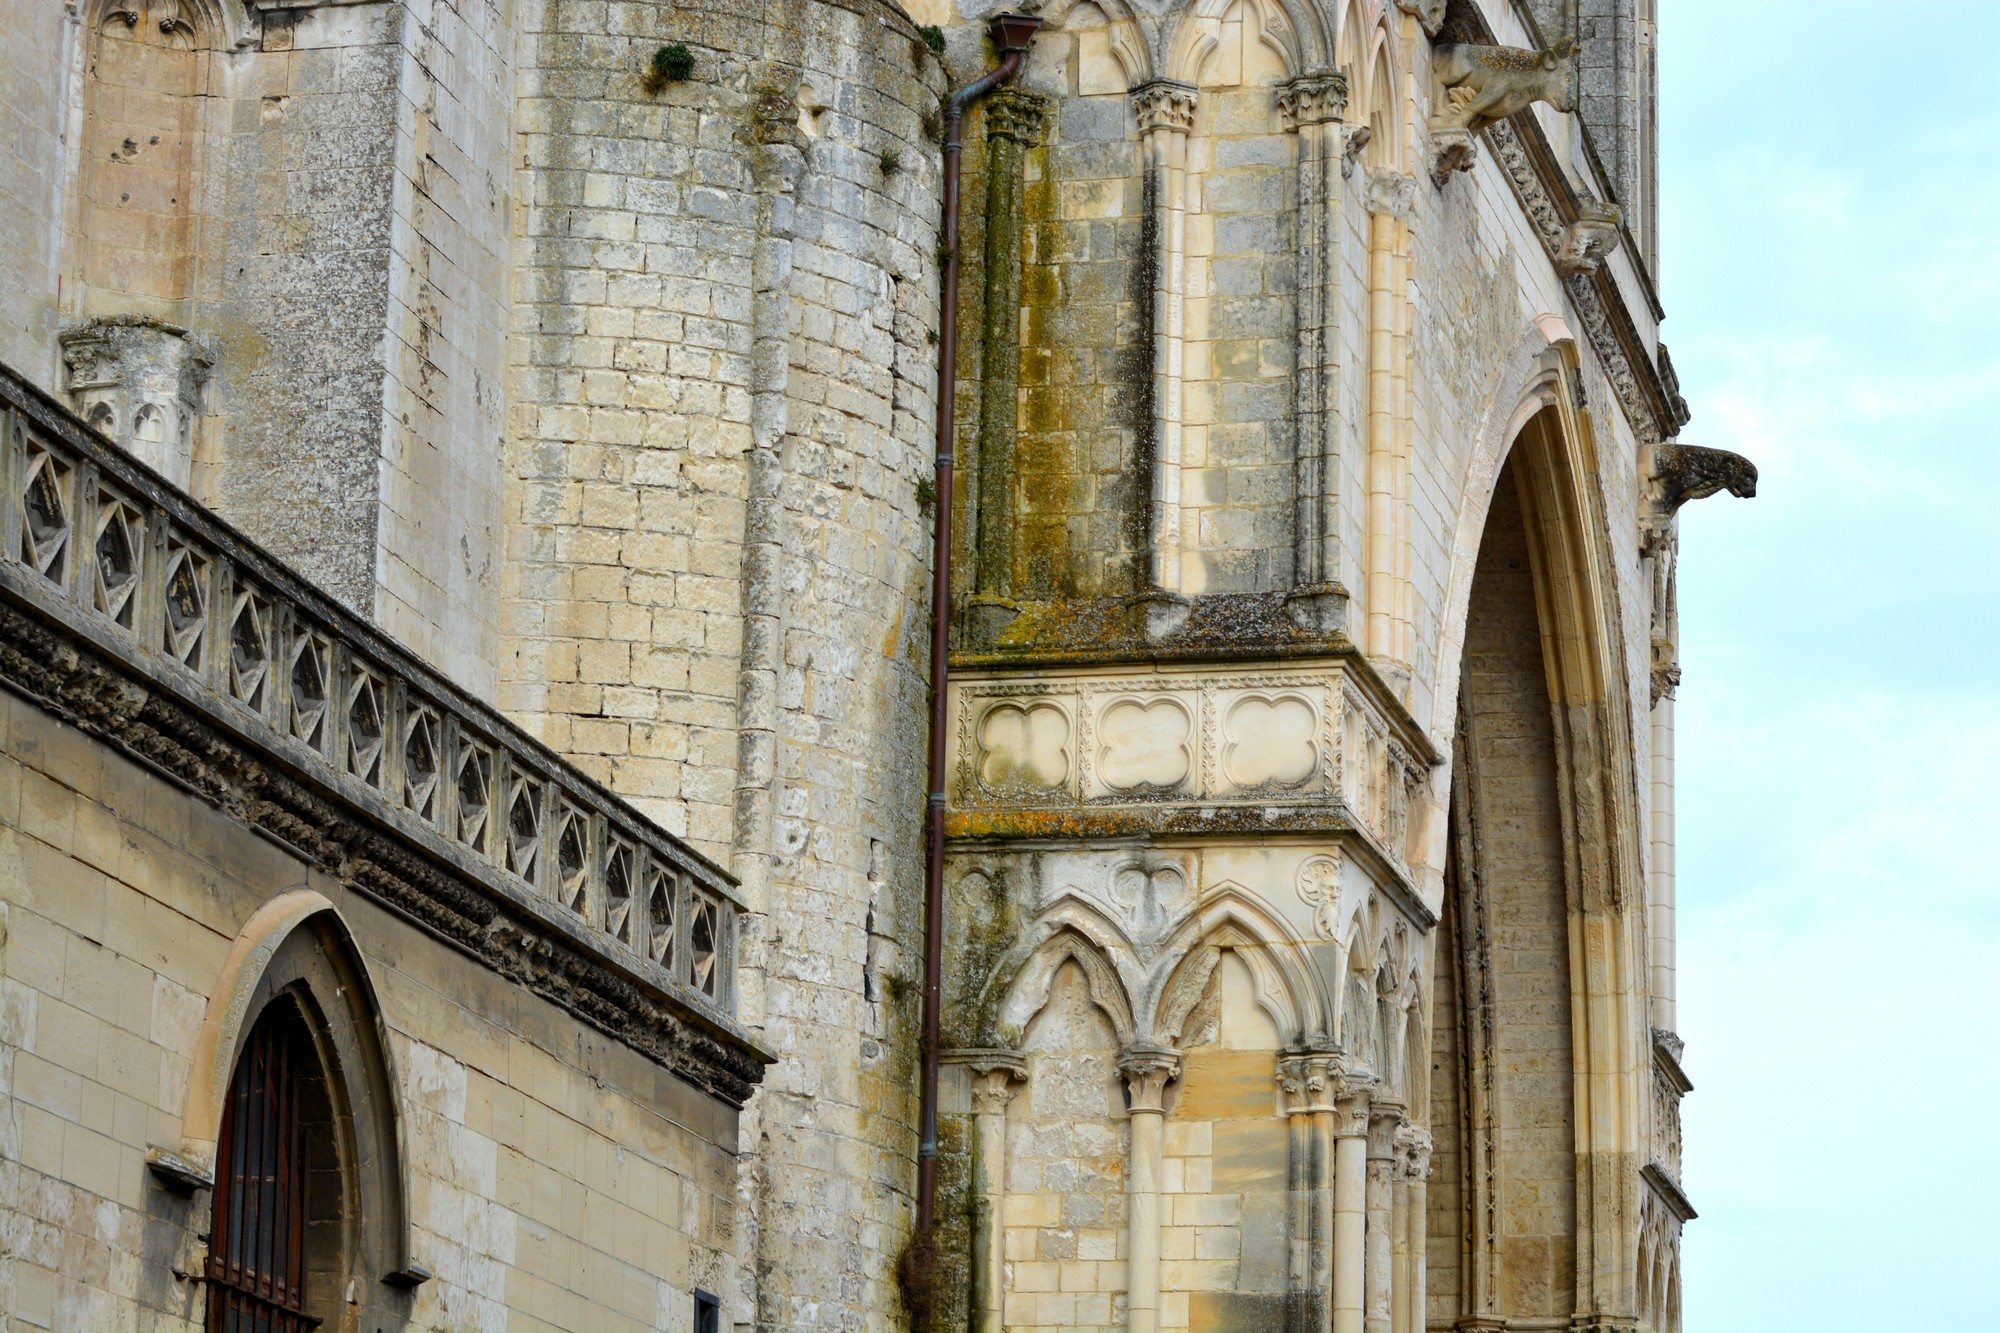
<point>258,1258</point>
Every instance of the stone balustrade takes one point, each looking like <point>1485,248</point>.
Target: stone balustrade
<point>109,573</point>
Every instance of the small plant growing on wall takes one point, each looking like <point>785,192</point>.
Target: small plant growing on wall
<point>670,64</point>
<point>892,161</point>
<point>933,37</point>
<point>926,492</point>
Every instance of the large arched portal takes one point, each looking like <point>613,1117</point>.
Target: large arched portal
<point>1535,1039</point>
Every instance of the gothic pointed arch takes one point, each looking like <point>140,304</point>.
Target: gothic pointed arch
<point>1296,33</point>
<point>295,966</point>
<point>1550,1028</point>
<point>1073,930</point>
<point>1288,987</point>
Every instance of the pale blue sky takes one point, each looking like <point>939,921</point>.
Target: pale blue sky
<point>1831,179</point>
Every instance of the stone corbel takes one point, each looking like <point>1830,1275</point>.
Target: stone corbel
<point>1589,240</point>
<point>1353,140</point>
<point>1393,193</point>
<point>1413,1152</point>
<point>1452,150</point>
<point>138,381</point>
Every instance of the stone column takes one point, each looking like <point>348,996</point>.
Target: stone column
<point>1165,110</point>
<point>996,1077</point>
<point>1306,1085</point>
<point>1352,1094</point>
<point>1147,1072</point>
<point>1013,122</point>
<point>1413,1170</point>
<point>1384,1119</point>
<point>138,381</point>
<point>1311,107</point>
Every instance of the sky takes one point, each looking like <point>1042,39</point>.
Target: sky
<point>1830,182</point>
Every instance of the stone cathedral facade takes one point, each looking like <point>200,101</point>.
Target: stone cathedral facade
<point>468,473</point>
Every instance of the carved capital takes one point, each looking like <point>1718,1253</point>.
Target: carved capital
<point>1353,1095</point>
<point>1147,1071</point>
<point>1687,472</point>
<point>997,1075</point>
<point>1306,1081</point>
<point>1164,104</point>
<point>1587,241</point>
<point>1316,98</point>
<point>1017,114</point>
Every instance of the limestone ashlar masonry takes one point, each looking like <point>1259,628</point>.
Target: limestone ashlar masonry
<point>722,388</point>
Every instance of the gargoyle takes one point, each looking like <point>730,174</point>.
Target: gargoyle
<point>1690,472</point>
<point>1483,84</point>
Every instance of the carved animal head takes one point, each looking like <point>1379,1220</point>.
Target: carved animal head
<point>1561,60</point>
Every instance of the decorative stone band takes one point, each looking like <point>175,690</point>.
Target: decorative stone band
<point>1554,209</point>
<point>139,617</point>
<point>1185,749</point>
<point>1317,98</point>
<point>1165,104</point>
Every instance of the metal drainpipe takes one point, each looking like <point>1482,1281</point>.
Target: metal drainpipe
<point>1012,34</point>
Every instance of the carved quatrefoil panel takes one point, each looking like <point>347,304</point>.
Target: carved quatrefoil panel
<point>1024,747</point>
<point>1269,741</point>
<point>1145,746</point>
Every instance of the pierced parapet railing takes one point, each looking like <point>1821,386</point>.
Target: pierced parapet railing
<point>129,566</point>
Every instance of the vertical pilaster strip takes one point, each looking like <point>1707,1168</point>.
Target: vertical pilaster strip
<point>1013,121</point>
<point>1165,109</point>
<point>996,1077</point>
<point>1147,1073</point>
<point>1311,107</point>
<point>779,164</point>
<point>1382,404</point>
<point>1352,1094</point>
<point>1662,925</point>
<point>1402,649</point>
